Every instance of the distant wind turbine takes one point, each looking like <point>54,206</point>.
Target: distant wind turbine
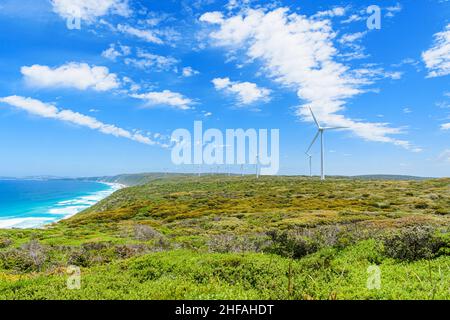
<point>310,163</point>
<point>257,166</point>
<point>320,131</point>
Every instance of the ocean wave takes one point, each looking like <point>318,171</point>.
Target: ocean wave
<point>24,223</point>
<point>61,210</point>
<point>69,208</point>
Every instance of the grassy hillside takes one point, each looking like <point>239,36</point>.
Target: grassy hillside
<point>134,179</point>
<point>217,237</point>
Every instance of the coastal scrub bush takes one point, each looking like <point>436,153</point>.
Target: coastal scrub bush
<point>290,245</point>
<point>130,250</point>
<point>91,253</point>
<point>145,233</point>
<point>36,252</point>
<point>80,257</point>
<point>29,257</point>
<point>16,260</point>
<point>5,242</point>
<point>228,243</point>
<point>414,243</point>
<point>421,205</point>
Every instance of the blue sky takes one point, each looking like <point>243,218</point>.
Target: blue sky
<point>105,98</point>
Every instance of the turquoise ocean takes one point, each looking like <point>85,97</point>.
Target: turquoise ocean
<point>35,203</point>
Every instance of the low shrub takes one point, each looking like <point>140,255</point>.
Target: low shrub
<point>80,257</point>
<point>16,260</point>
<point>414,243</point>
<point>421,205</point>
<point>290,245</point>
<point>145,233</point>
<point>130,250</point>
<point>30,257</point>
<point>228,243</point>
<point>36,252</point>
<point>5,242</point>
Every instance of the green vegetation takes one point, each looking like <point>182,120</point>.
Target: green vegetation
<point>217,237</point>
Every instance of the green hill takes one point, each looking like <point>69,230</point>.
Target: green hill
<point>218,237</point>
<point>133,179</point>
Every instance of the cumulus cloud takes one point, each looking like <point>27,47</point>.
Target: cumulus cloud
<point>189,72</point>
<point>46,110</point>
<point>146,35</point>
<point>299,53</point>
<point>90,10</point>
<point>116,51</point>
<point>335,12</point>
<point>212,17</point>
<point>165,98</point>
<point>445,126</point>
<point>437,58</point>
<point>147,60</point>
<point>80,76</point>
<point>352,37</point>
<point>246,92</point>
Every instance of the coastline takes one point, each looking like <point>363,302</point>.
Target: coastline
<point>61,210</point>
<point>96,198</point>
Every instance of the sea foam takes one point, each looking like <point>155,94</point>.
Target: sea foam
<point>61,210</point>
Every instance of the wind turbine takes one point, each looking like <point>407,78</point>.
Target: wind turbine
<point>320,131</point>
<point>257,166</point>
<point>310,164</point>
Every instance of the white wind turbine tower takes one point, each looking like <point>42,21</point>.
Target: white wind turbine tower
<point>310,163</point>
<point>320,131</point>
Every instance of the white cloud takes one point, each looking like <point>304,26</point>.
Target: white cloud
<point>189,72</point>
<point>212,17</point>
<point>167,98</point>
<point>445,126</point>
<point>45,110</point>
<point>437,58</point>
<point>335,12</point>
<point>352,41</point>
<point>90,10</point>
<point>351,37</point>
<point>246,92</point>
<point>393,10</point>
<point>71,75</point>
<point>147,60</point>
<point>298,52</point>
<point>133,86</point>
<point>113,52</point>
<point>407,110</point>
<point>146,35</point>
<point>395,75</point>
<point>237,4</point>
<point>445,156</point>
<point>352,18</point>
<point>443,104</point>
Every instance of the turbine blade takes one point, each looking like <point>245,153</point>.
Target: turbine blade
<point>312,143</point>
<point>314,117</point>
<point>334,128</point>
